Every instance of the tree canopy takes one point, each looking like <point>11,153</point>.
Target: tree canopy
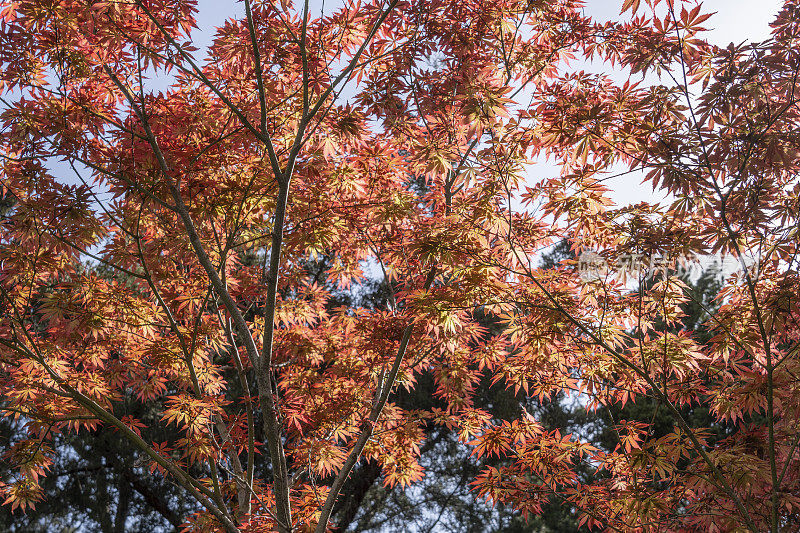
<point>314,259</point>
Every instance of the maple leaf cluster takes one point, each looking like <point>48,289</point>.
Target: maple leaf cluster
<point>162,249</point>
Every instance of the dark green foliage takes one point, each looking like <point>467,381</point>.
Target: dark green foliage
<point>96,484</point>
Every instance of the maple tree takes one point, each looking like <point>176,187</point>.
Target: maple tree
<point>393,140</point>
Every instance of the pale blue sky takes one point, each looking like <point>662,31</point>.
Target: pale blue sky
<point>733,21</point>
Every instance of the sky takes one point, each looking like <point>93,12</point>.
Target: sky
<point>734,21</point>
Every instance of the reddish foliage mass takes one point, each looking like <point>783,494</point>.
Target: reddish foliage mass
<point>397,137</point>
